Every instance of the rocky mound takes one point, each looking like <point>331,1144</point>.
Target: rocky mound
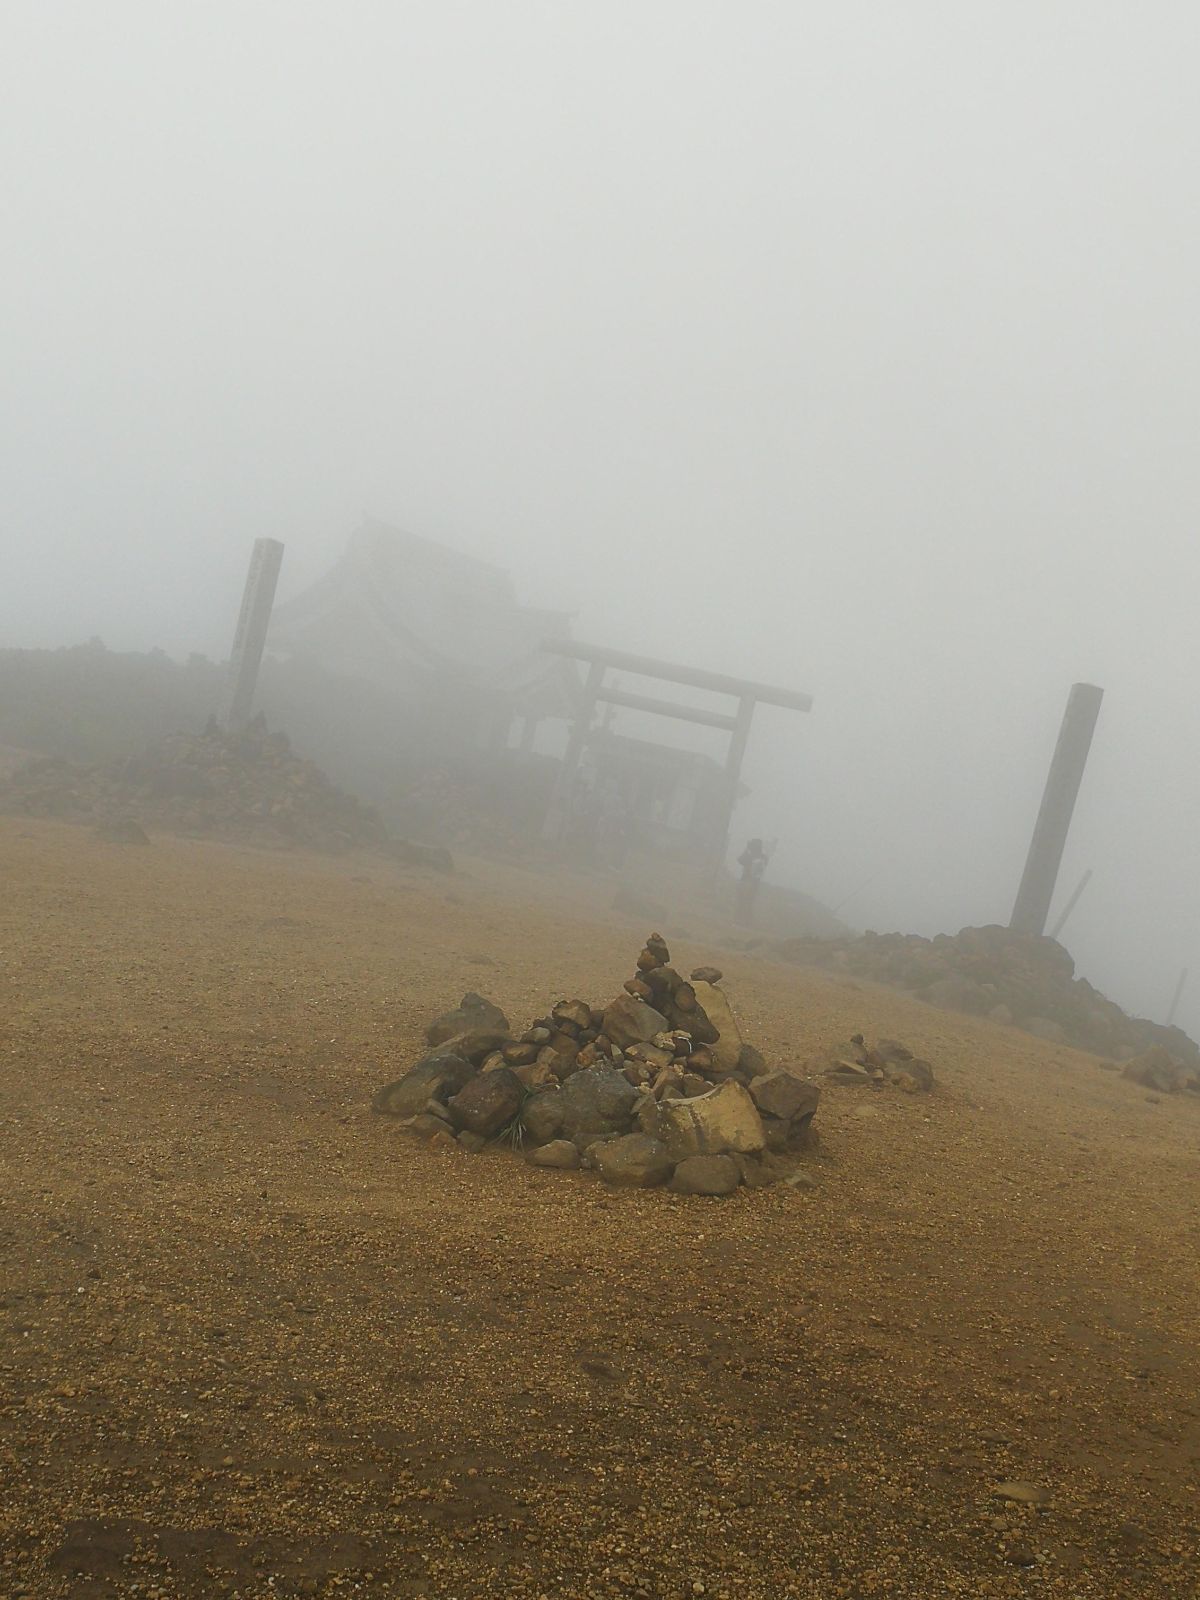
<point>656,1087</point>
<point>993,972</point>
<point>248,787</point>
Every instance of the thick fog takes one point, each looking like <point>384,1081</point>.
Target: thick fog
<point>846,346</point>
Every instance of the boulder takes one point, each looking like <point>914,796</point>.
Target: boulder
<point>473,1014</point>
<point>488,1102</point>
<point>559,1153</point>
<point>477,1044</point>
<point>723,1121</point>
<point>437,1076</point>
<point>542,1116</point>
<point>706,1175</point>
<point>726,1049</point>
<point>576,1012</point>
<point>425,1126</point>
<point>783,1095</point>
<point>1156,1069</point>
<point>596,1101</point>
<point>633,1161</point>
<point>628,1020</point>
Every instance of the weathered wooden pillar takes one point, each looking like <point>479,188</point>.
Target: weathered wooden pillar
<point>738,738</point>
<point>246,657</point>
<point>555,826</point>
<point>1058,805</point>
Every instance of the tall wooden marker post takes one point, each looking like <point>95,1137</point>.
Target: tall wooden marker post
<point>246,657</point>
<point>1058,806</point>
<point>737,724</point>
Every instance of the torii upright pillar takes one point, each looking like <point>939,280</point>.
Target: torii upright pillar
<point>257,599</point>
<point>1058,805</point>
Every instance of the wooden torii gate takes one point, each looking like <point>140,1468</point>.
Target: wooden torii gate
<point>600,660</point>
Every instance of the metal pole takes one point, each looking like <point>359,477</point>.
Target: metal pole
<point>1032,905</point>
<point>246,657</point>
<point>1177,996</point>
<point>1071,904</point>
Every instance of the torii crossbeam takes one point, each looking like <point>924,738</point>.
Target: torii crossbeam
<point>600,660</point>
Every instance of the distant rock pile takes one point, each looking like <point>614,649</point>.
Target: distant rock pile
<point>1014,978</point>
<point>887,1062</point>
<point>656,1087</point>
<point>249,787</point>
<point>1157,1069</point>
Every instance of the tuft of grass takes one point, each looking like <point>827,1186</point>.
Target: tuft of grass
<point>512,1133</point>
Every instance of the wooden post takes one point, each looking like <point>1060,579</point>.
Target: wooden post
<point>557,812</point>
<point>246,657</point>
<point>1032,905</point>
<point>1071,904</point>
<point>1177,996</point>
<point>734,756</point>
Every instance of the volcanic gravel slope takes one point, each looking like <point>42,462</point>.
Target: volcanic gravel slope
<point>254,1341</point>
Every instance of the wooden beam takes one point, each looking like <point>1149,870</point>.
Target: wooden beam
<point>1058,804</point>
<point>666,708</point>
<point>738,740</point>
<point>671,672</point>
<point>251,634</point>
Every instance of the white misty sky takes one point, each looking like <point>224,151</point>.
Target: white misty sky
<point>850,346</point>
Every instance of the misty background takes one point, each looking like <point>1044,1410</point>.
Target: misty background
<point>850,347</point>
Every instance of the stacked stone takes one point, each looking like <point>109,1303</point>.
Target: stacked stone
<point>648,1089</point>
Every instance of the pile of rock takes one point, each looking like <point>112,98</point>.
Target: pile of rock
<point>1014,978</point>
<point>249,787</point>
<point>878,1066</point>
<point>656,1087</point>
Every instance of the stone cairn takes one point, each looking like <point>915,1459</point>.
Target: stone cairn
<point>656,1087</point>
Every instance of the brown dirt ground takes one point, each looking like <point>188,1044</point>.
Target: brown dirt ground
<point>254,1341</point>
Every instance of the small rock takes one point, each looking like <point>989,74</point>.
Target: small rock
<point>632,1161</point>
<point>425,1126</point>
<point>1026,1494</point>
<point>783,1095</point>
<point>628,1021</point>
<point>559,1153</point>
<point>473,1143</point>
<point>801,1180</point>
<point>711,1175</point>
<point>437,1076</point>
<point>473,1014</point>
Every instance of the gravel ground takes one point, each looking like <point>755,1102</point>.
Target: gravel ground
<point>254,1342</point>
